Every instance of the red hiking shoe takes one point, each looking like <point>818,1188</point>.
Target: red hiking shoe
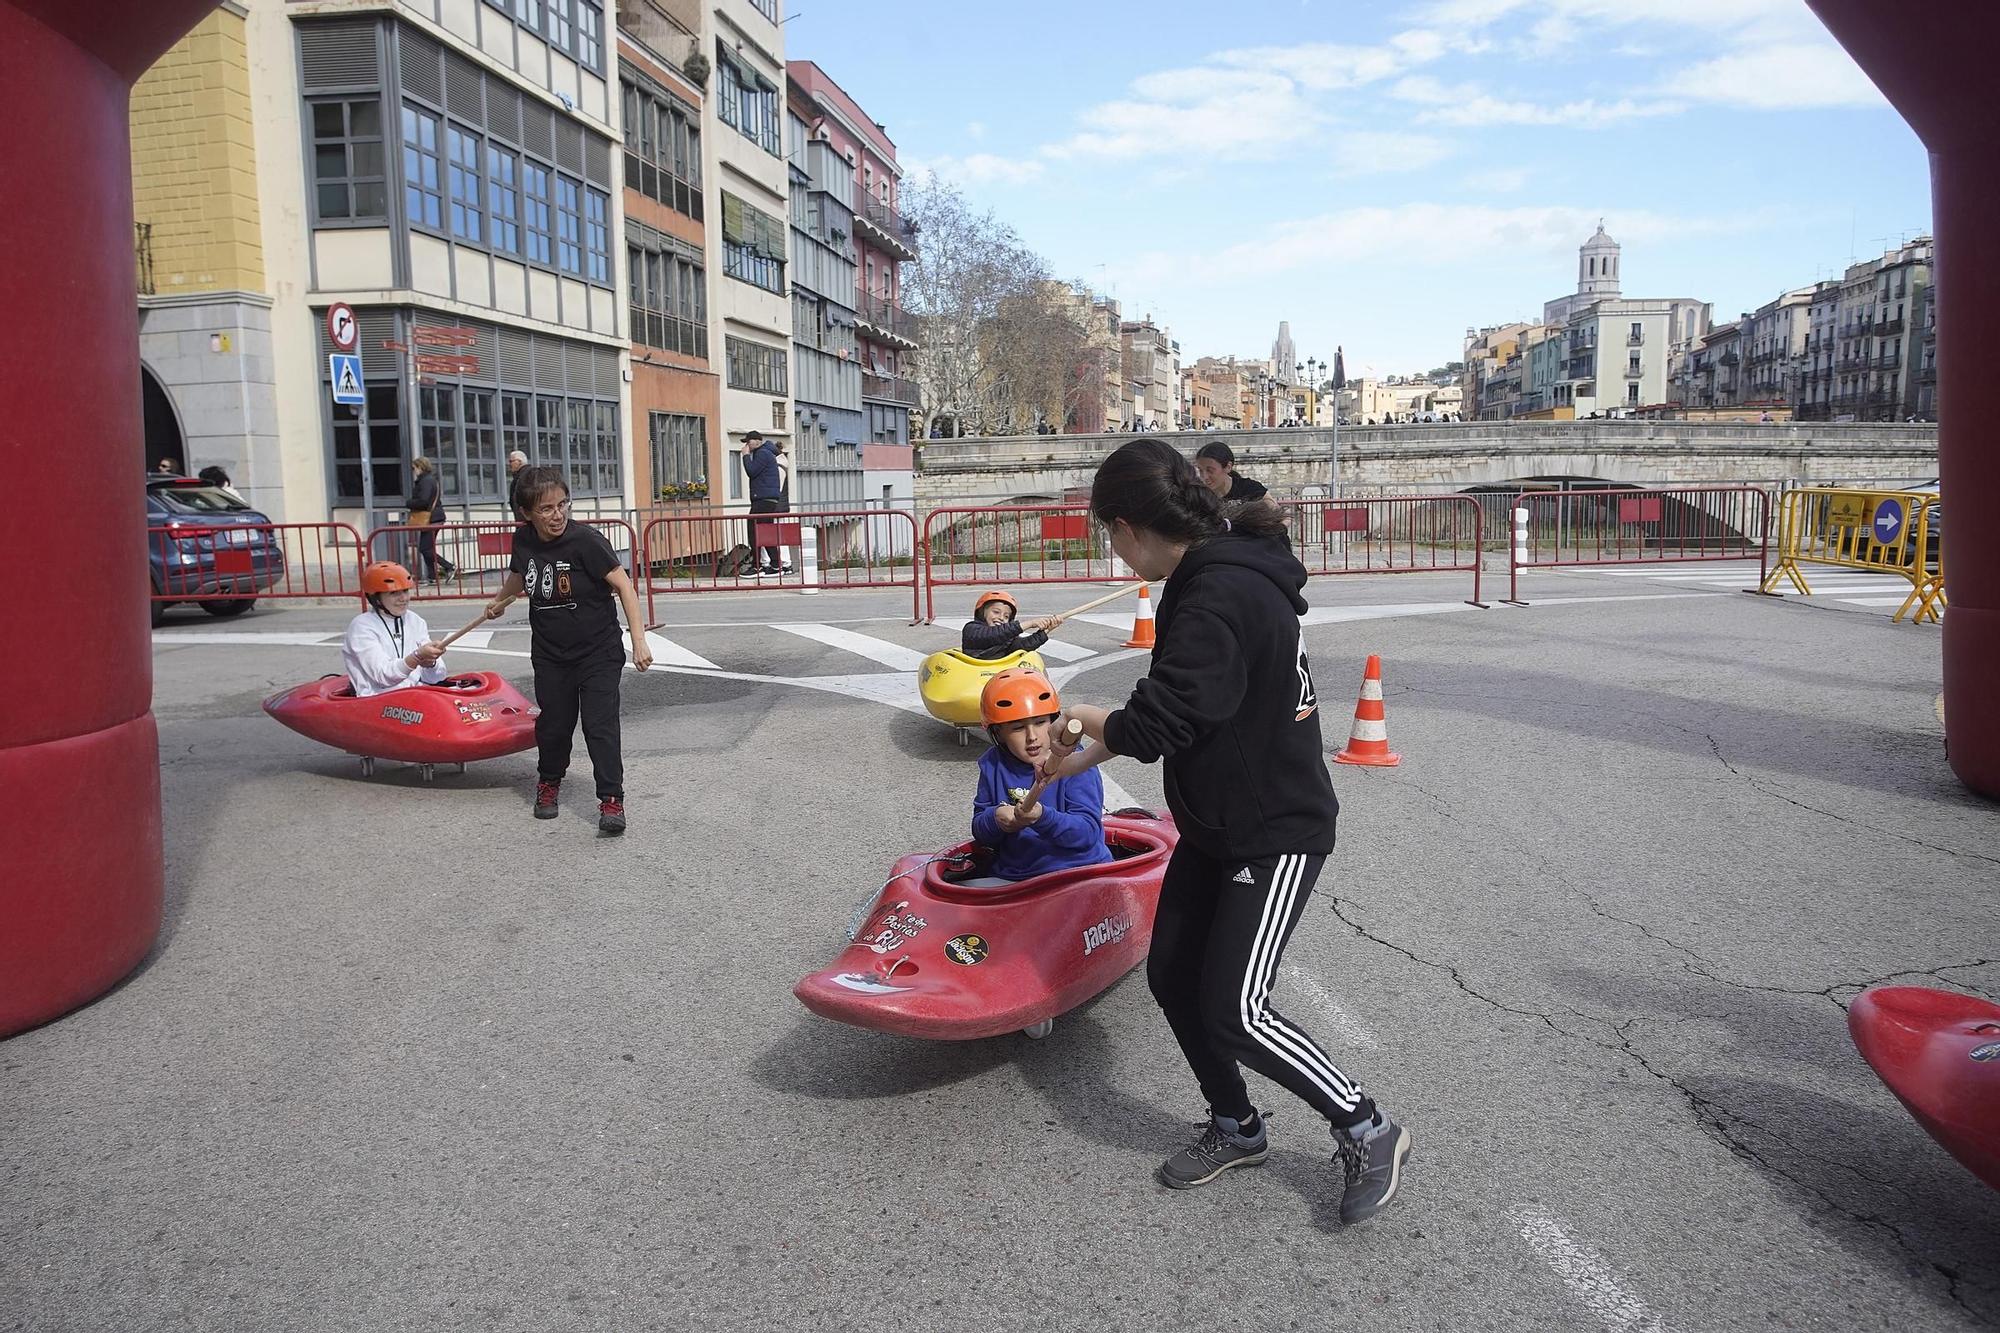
<point>611,815</point>
<point>545,799</point>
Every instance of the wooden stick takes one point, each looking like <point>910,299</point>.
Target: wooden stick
<point>1108,597</point>
<point>456,635</point>
<point>1063,743</point>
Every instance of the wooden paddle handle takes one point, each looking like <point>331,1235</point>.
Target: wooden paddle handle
<point>1071,737</point>
<point>1108,597</point>
<point>458,634</point>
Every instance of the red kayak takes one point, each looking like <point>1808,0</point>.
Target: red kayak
<point>1939,1052</point>
<point>462,718</point>
<point>935,958</point>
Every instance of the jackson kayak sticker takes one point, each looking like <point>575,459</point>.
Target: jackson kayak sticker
<point>966,950</point>
<point>865,984</point>
<point>409,717</point>
<point>1990,1051</point>
<point>1108,931</point>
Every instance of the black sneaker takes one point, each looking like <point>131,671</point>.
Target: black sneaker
<point>545,800</point>
<point>1373,1167</point>
<point>1219,1148</point>
<point>611,815</point>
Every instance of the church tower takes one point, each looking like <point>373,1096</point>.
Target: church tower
<point>1284,356</point>
<point>1597,267</point>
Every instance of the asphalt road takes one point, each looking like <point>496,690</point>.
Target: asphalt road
<point>406,1058</point>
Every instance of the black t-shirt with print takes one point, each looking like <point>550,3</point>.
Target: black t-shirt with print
<point>570,606</point>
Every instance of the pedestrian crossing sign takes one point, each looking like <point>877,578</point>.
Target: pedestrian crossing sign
<point>346,369</point>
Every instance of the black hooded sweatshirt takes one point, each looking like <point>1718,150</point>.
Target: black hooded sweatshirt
<point>1229,705</point>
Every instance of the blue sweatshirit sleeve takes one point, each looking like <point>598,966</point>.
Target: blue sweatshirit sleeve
<point>991,795</point>
<point>1074,819</point>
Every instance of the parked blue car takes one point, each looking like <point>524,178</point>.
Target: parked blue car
<point>208,547</point>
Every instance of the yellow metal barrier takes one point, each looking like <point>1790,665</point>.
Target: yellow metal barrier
<point>1884,532</point>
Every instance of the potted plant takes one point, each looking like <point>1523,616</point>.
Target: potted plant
<point>696,69</point>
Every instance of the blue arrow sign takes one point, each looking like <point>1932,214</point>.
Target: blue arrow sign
<point>346,368</point>
<point>1888,522</point>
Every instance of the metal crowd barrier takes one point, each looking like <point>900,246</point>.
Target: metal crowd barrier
<point>1013,544</point>
<point>1388,534</point>
<point>1883,532</point>
<point>478,554</point>
<point>227,567</point>
<point>1638,526</point>
<point>830,549</point>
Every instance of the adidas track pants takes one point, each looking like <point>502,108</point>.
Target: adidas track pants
<point>1217,943</point>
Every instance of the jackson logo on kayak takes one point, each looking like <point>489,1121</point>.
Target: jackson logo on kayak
<point>1991,1051</point>
<point>409,717</point>
<point>966,950</point>
<point>1108,931</point>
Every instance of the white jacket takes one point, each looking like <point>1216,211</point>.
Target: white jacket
<point>374,662</point>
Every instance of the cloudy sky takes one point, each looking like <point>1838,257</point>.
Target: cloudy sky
<point>1383,175</point>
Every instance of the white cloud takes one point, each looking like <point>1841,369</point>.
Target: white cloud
<point>1774,78</point>
<point>978,169</point>
<point>1500,180</point>
<point>1469,105</point>
<point>1376,152</point>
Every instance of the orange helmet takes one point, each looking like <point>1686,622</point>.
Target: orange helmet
<point>1016,694</point>
<point>386,576</point>
<point>994,595</point>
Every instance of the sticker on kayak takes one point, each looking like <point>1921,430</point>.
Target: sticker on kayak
<point>867,985</point>
<point>896,929</point>
<point>965,950</point>
<point>409,717</point>
<point>1990,1051</point>
<point>1108,931</point>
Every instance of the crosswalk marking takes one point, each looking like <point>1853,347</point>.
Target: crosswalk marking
<point>478,638</point>
<point>1874,601</point>
<point>892,655</point>
<point>1065,652</point>
<point>668,653</point>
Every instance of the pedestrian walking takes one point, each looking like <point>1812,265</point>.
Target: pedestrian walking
<point>1228,705</point>
<point>517,463</point>
<point>426,513</point>
<point>769,479</point>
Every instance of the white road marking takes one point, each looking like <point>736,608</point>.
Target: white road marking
<point>1065,652</point>
<point>1338,1021</point>
<point>1107,620</point>
<point>893,655</point>
<point>1115,796</point>
<point>668,653</point>
<point>1611,597</point>
<point>478,638</point>
<point>279,640</point>
<point>1586,1274</point>
<point>1875,601</point>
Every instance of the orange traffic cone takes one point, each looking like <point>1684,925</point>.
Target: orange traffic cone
<point>1142,621</point>
<point>1368,742</point>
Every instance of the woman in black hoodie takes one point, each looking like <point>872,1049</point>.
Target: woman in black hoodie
<point>1228,704</point>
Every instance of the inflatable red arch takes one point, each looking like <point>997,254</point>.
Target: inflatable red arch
<point>80,900</point>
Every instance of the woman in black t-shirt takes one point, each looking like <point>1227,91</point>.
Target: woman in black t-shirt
<point>570,575</point>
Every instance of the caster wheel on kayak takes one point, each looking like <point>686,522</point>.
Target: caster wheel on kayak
<point>461,768</point>
<point>1037,1031</point>
<point>963,738</point>
<point>427,771</point>
<point>367,767</point>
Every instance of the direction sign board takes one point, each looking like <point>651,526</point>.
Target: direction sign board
<point>342,327</point>
<point>345,368</point>
<point>1888,521</point>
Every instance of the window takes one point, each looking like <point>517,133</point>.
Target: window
<point>1632,393</point>
<point>482,469</point>
<point>422,198</point>
<point>548,450</point>
<point>348,179</point>
<point>735,471</point>
<point>768,8</point>
<point>385,445</point>
<point>597,234</point>
<point>569,223</point>
<point>1638,331</point>
<point>609,465</point>
<point>753,245</point>
<point>437,439</point>
<point>462,149</point>
<point>582,453</point>
<point>589,35</point>
<point>679,447</point>
<point>1632,364</point>
<point>528,13</point>
<point>558,29</point>
<point>516,425</point>
<point>755,367</point>
<point>502,199</point>
<point>668,304</point>
<point>535,195</point>
<point>749,103</point>
<point>663,148</point>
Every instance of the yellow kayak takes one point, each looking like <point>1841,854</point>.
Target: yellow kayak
<point>950,682</point>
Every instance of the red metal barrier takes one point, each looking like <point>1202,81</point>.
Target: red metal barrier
<point>478,554</point>
<point>1012,544</point>
<point>1638,526</point>
<point>851,548</point>
<point>227,567</point>
<point>1389,534</point>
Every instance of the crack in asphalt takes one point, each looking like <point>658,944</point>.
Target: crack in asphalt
<point>1721,1123</point>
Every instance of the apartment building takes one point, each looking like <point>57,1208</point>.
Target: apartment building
<point>1148,360</point>
<point>445,169</point>
<point>826,350</point>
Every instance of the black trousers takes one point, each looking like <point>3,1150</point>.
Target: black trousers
<point>1217,943</point>
<point>427,548</point>
<point>766,557</point>
<point>566,690</point>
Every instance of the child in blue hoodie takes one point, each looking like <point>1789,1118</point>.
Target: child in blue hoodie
<point>1062,826</point>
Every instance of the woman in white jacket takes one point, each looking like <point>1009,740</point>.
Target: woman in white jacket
<point>388,646</point>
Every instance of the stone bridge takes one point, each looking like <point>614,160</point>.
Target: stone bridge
<point>1460,456</point>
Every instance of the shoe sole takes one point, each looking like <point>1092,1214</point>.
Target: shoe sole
<point>1174,1183</point>
<point>607,826</point>
<point>1396,1165</point>
<point>546,812</point>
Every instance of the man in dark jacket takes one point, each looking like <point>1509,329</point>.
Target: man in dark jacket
<point>517,463</point>
<point>767,492</point>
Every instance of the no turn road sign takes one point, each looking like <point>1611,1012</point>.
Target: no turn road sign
<point>341,326</point>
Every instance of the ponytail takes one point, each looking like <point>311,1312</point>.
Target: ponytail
<point>1150,485</point>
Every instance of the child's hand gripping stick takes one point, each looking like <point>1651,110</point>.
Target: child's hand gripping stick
<point>1061,745</point>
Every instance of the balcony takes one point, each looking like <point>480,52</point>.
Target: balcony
<point>890,389</point>
<point>1887,326</point>
<point>880,318</point>
<point>885,228</point>
<point>1633,372</point>
<point>1928,375</point>
<point>666,28</point>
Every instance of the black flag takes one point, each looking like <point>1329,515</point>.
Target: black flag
<point>1339,369</point>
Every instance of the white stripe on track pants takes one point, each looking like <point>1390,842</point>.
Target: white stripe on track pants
<point>1216,946</point>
